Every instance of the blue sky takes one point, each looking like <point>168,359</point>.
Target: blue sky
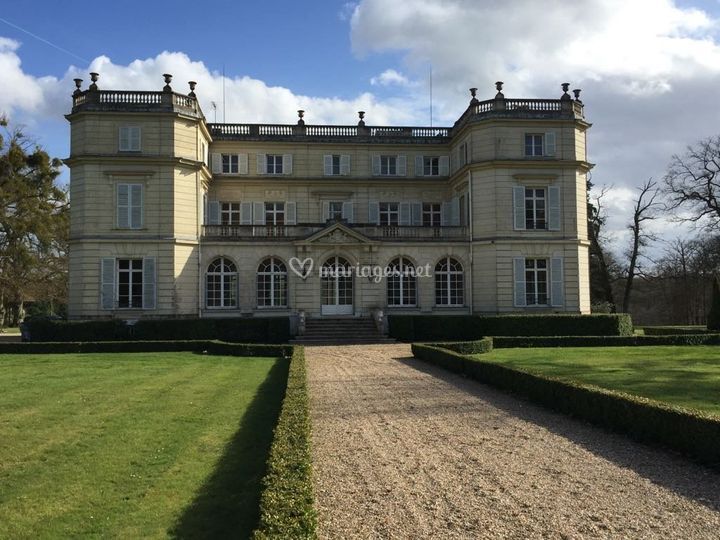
<point>649,69</point>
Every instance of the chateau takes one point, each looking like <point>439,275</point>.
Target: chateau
<point>175,216</point>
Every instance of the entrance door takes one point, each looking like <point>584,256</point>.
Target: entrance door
<point>337,287</point>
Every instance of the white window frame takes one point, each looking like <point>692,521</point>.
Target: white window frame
<point>274,163</point>
<point>535,269</point>
<point>453,288</point>
<point>534,145</point>
<point>431,165</point>
<point>228,282</point>
<point>388,165</point>
<point>533,210</point>
<point>272,211</point>
<point>232,166</point>
<point>335,210</point>
<point>129,139</point>
<point>230,213</point>
<point>431,214</point>
<point>390,211</point>
<point>135,201</point>
<point>132,272</point>
<point>277,279</point>
<point>404,282</point>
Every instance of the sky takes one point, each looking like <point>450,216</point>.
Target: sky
<point>649,70</point>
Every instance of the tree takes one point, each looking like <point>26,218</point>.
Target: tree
<point>644,210</point>
<point>33,225</point>
<point>713,322</point>
<point>692,183</point>
<point>601,262</point>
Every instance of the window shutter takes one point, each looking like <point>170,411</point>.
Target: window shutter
<point>287,164</point>
<point>217,163</point>
<point>213,213</point>
<point>261,164</point>
<point>550,144</point>
<point>327,165</point>
<point>402,165</point>
<point>344,165</point>
<point>444,165</point>
<point>347,211</point>
<point>374,212</point>
<point>455,212</point>
<point>404,213</point>
<point>124,139</point>
<point>416,212</point>
<point>557,283</point>
<point>419,169</point>
<point>290,213</point>
<point>134,138</point>
<point>325,211</point>
<point>123,206</point>
<point>258,213</point>
<point>246,210</point>
<point>445,217</point>
<point>136,206</point>
<point>107,283</point>
<point>554,208</point>
<point>242,163</point>
<point>149,283</point>
<point>519,278</point>
<point>376,165</point>
<point>519,208</point>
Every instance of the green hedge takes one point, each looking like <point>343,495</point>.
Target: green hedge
<point>470,327</point>
<point>673,330</point>
<point>239,330</point>
<point>480,346</point>
<point>694,434</point>
<point>604,341</point>
<point>211,347</point>
<point>286,503</point>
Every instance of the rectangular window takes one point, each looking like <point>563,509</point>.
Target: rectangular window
<point>388,165</point>
<point>129,206</point>
<point>533,144</point>
<point>431,166</point>
<point>431,214</point>
<point>334,168</point>
<point>535,208</point>
<point>274,213</point>
<point>536,282</point>
<point>335,210</point>
<point>230,164</point>
<point>274,163</point>
<point>230,213</point>
<point>130,283</point>
<point>129,139</point>
<point>389,214</point>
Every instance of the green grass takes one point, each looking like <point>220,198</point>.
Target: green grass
<point>684,376</point>
<point>10,329</point>
<point>134,445</point>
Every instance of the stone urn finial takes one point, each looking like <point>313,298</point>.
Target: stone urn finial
<point>565,95</point>
<point>94,78</point>
<point>499,87</point>
<point>577,94</point>
<point>168,80</point>
<point>301,113</point>
<point>192,88</point>
<point>361,114</point>
<point>473,99</point>
<point>78,83</point>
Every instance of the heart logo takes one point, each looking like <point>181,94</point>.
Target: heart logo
<point>301,268</point>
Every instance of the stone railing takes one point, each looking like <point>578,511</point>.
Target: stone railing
<point>135,101</point>
<point>324,132</point>
<point>296,232</point>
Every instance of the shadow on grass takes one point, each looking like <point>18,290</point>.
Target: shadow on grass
<point>226,506</point>
<point>661,466</point>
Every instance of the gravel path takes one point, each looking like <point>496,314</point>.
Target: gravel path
<point>405,450</point>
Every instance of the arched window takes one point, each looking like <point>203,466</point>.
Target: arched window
<point>449,283</point>
<point>221,284</point>
<point>401,283</point>
<point>272,283</point>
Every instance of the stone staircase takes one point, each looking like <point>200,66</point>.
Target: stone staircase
<point>340,331</point>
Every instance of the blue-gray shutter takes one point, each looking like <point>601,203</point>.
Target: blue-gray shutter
<point>136,206</point>
<point>344,165</point>
<point>246,210</point>
<point>444,165</point>
<point>550,144</point>
<point>149,288</point>
<point>557,283</point>
<point>107,283</point>
<point>217,163</point>
<point>519,280</point>
<point>287,160</point>
<point>554,208</point>
<point>258,213</point>
<point>376,165</point>
<point>519,208</point>
<point>416,212</point>
<point>325,211</point>
<point>402,166</point>
<point>419,165</point>
<point>445,214</point>
<point>290,213</point>
<point>404,214</point>
<point>123,206</point>
<point>374,212</point>
<point>327,164</point>
<point>213,217</point>
<point>455,212</point>
<point>262,163</point>
<point>347,211</point>
<point>242,163</point>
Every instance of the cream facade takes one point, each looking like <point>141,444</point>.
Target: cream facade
<point>175,216</point>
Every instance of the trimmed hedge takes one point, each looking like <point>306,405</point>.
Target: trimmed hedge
<point>692,433</point>
<point>238,330</point>
<point>286,503</point>
<point>470,327</point>
<point>480,346</point>
<point>211,347</point>
<point>672,330</point>
<point>604,341</point>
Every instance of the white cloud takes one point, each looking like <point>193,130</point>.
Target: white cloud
<point>390,77</point>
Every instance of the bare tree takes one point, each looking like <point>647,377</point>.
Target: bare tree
<point>693,183</point>
<point>646,206</point>
<point>601,262</point>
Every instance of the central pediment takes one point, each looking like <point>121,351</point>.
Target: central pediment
<point>337,234</point>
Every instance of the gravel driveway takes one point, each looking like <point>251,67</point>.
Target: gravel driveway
<point>405,450</point>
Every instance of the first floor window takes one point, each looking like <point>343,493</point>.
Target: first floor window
<point>533,144</point>
<point>274,213</point>
<point>129,139</point>
<point>389,213</point>
<point>449,283</point>
<point>431,214</point>
<point>388,165</point>
<point>535,207</point>
<point>129,206</point>
<point>401,283</point>
<point>272,283</point>
<point>335,210</point>
<point>536,282</point>
<point>274,163</point>
<point>230,213</point>
<point>431,166</point>
<point>221,284</point>
<point>130,283</point>
<point>230,163</point>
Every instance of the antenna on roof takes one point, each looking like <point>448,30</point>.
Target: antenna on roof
<point>223,84</point>
<point>431,97</point>
<point>214,106</point>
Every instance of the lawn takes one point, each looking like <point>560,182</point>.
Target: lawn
<point>685,376</point>
<point>134,445</point>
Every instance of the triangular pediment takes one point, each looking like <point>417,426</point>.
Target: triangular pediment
<point>337,234</point>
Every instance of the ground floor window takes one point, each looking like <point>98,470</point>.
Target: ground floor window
<point>449,283</point>
<point>536,282</point>
<point>221,284</point>
<point>401,283</point>
<point>272,283</point>
<point>130,283</point>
